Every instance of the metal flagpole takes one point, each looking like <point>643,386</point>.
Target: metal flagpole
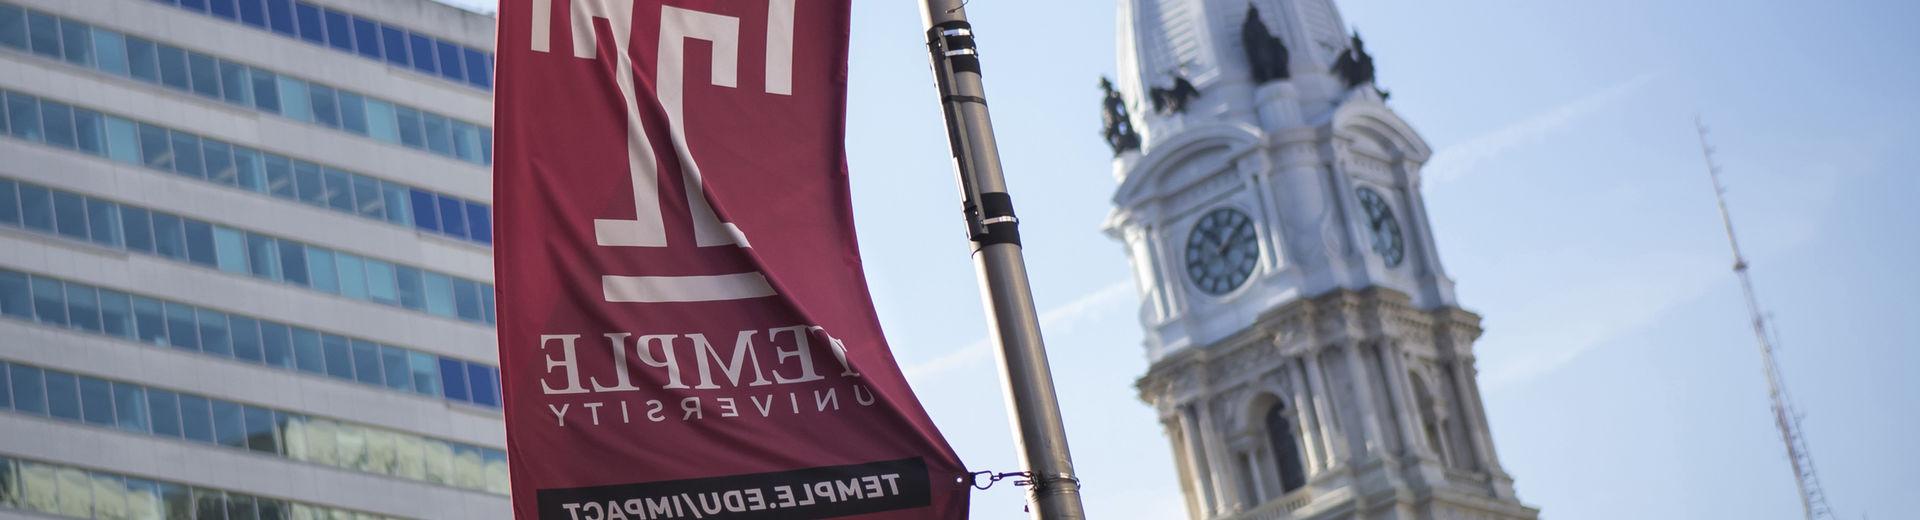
<point>994,231</point>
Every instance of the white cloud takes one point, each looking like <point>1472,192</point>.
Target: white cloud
<point>1460,159</point>
<point>1053,322</point>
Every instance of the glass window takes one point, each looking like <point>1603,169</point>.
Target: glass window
<point>149,320</point>
<point>339,31</point>
<point>478,64</point>
<point>173,67</point>
<point>467,467</point>
<point>122,143</point>
<point>306,177</point>
<point>453,379</point>
<point>143,500</point>
<point>104,220</point>
<point>324,277</point>
<point>183,332</point>
<point>236,83</point>
<point>353,277</point>
<point>353,112</point>
<point>177,501</point>
<point>49,301</point>
<point>259,434</point>
<point>449,55</point>
<point>253,13</point>
<point>397,209</point>
<point>139,232</point>
<point>186,154</point>
<point>266,91</point>
<point>16,300</point>
<point>380,121</point>
<point>276,345</point>
<point>76,493</point>
<point>38,487</point>
<point>196,418</point>
<point>43,34</point>
<point>246,338</point>
<point>263,258</point>
<point>214,336</point>
<point>168,238</point>
<point>130,407</point>
<point>13,27</point>
<point>230,249</point>
<point>366,197</point>
<point>422,53</point>
<point>308,356</point>
<point>218,157</point>
<point>326,109</point>
<point>439,134</point>
<point>366,37</point>
<point>280,16</point>
<point>412,294</point>
<point>279,176</point>
<point>87,132</point>
<point>36,208</point>
<point>154,150</point>
<point>29,389</point>
<point>293,262</point>
<point>380,282</point>
<point>198,6</point>
<point>425,372</point>
<point>425,210</point>
<point>23,116</point>
<point>6,403</point>
<point>366,362</point>
<point>209,504</point>
<point>205,74</point>
<point>439,294</point>
<point>76,43</point>
<point>142,63</point>
<point>466,141</point>
<point>438,458</point>
<point>116,314</point>
<point>163,408</point>
<point>339,356</point>
<point>83,307</point>
<point>240,507</point>
<point>63,396</point>
<point>466,299</point>
<point>381,451</point>
<point>248,171</point>
<point>411,135</point>
<point>394,362</point>
<point>229,426</point>
<point>9,202</point>
<point>351,440</point>
<point>57,121</point>
<point>496,471</point>
<point>339,186</point>
<point>199,242</point>
<point>294,101</point>
<point>96,402</point>
<point>395,43</point>
<point>223,9</point>
<point>110,50</point>
<point>453,218</point>
<point>70,215</point>
<point>308,18</point>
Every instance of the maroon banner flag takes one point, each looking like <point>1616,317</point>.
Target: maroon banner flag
<point>685,328</point>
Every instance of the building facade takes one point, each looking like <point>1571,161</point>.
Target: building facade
<point>1308,358</point>
<point>245,267</point>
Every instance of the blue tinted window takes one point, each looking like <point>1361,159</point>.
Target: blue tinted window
<point>173,66</point>
<point>366,363</point>
<point>366,37</point>
<point>70,215</point>
<point>394,42</point>
<point>6,403</point>
<point>76,44</point>
<point>380,282</point>
<point>279,176</point>
<point>479,67</point>
<point>294,102</point>
<point>219,160</point>
<point>321,270</point>
<point>110,49</point>
<point>57,124</point>
<point>154,151</point>
<point>149,321</point>
<point>422,53</point>
<point>13,27</point>
<point>339,31</point>
<point>116,314</point>
<point>194,5</point>
<point>142,63</point>
<point>214,337</point>
<point>306,177</point>
<point>280,16</point>
<point>224,9</point>
<point>339,356</point>
<point>253,13</point>
<point>36,208</point>
<point>307,354</point>
<point>439,133</point>
<point>103,219</point>
<point>236,83</point>
<point>229,427</point>
<point>196,418</point>
<point>382,123</point>
<point>466,142</point>
<point>308,18</point>
<point>83,307</point>
<point>63,396</point>
<point>29,389</point>
<point>466,300</point>
<point>259,424</point>
<point>248,170</point>
<point>393,362</point>
<point>453,379</point>
<point>480,223</point>
<point>266,91</point>
<point>49,301</point>
<point>276,345</point>
<point>199,242</point>
<point>450,59</point>
<point>186,154</point>
<point>88,134</point>
<point>326,109</point>
<point>168,239</point>
<point>353,112</point>
<point>353,277</point>
<point>122,142</point>
<point>23,116</point>
<point>398,210</point>
<point>413,294</point>
<point>96,401</point>
<point>246,338</point>
<point>263,257</point>
<point>425,211</point>
<point>205,74</point>
<point>139,233</point>
<point>293,263</point>
<point>339,186</point>
<point>16,300</point>
<point>230,249</point>
<point>9,203</point>
<point>163,408</point>
<point>425,372</point>
<point>366,198</point>
<point>411,135</point>
<point>485,384</point>
<point>453,220</point>
<point>183,332</point>
<point>130,407</point>
<point>43,34</point>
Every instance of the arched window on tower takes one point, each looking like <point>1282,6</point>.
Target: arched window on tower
<point>1286,452</point>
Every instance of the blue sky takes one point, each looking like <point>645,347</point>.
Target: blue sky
<point>1571,206</point>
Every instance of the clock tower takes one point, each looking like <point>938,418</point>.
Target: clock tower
<point>1308,357</point>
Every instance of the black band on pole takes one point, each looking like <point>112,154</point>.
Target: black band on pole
<point>996,217</point>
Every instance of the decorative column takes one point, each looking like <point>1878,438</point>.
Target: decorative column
<point>1335,442</point>
<point>1197,462</point>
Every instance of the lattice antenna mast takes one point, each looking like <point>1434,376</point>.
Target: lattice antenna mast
<point>1813,501</point>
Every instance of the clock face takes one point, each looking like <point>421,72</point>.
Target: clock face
<point>1387,241</point>
<point>1221,251</point>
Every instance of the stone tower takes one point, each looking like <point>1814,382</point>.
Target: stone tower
<point>1308,357</point>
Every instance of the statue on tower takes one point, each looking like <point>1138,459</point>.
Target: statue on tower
<point>1119,124</point>
<point>1174,99</point>
<point>1355,66</point>
<point>1265,52</point>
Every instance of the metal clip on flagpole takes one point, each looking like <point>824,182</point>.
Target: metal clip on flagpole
<point>995,233</point>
